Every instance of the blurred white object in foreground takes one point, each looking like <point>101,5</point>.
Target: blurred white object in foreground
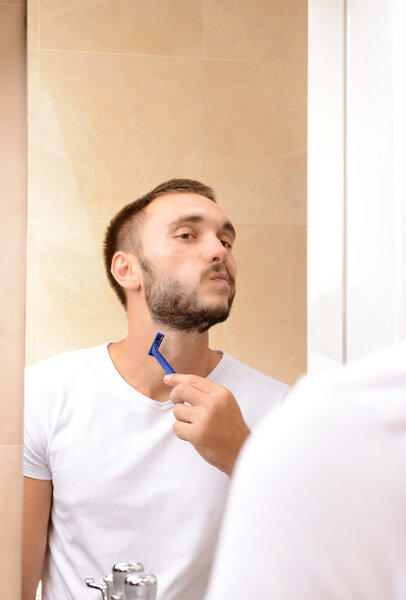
<point>317,508</point>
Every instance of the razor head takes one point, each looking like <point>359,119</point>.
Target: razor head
<point>155,353</point>
<point>156,343</point>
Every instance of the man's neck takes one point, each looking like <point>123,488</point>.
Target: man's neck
<point>185,352</point>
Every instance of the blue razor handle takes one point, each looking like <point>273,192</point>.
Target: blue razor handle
<point>154,351</point>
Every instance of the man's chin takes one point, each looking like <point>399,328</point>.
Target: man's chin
<point>217,307</point>
<point>188,312</point>
<point>221,298</point>
<point>213,316</point>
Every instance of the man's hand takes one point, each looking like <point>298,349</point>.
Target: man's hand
<point>213,422</point>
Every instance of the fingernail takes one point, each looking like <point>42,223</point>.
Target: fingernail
<point>167,378</point>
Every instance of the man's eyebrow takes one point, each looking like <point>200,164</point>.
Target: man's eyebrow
<point>227,226</point>
<point>186,219</point>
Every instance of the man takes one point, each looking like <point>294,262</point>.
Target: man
<point>317,509</point>
<point>105,436</point>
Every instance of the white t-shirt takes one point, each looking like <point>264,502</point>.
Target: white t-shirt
<point>317,505</point>
<point>125,487</point>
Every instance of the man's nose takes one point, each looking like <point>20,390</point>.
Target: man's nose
<point>215,251</point>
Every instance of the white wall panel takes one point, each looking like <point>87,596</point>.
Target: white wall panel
<point>325,184</point>
<point>376,264</point>
<point>357,181</point>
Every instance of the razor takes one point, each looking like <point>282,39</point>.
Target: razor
<point>154,351</point>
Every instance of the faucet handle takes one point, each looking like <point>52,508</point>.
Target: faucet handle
<point>140,587</point>
<point>97,586</point>
<point>122,570</point>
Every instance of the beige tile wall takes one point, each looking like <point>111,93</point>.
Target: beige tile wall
<point>12,285</point>
<point>124,95</point>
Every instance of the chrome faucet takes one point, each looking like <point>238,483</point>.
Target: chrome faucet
<point>126,582</point>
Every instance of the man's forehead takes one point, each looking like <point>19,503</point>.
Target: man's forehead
<point>174,206</point>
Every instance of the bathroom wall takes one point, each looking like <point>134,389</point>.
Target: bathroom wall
<point>12,285</point>
<point>124,95</point>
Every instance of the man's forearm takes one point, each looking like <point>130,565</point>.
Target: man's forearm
<point>36,512</point>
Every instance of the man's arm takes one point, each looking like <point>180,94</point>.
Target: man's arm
<point>36,512</point>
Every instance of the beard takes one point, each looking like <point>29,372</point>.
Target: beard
<point>171,304</point>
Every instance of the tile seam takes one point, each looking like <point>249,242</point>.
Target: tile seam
<point>11,446</point>
<point>179,56</point>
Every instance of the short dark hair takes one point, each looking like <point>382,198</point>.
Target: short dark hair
<point>120,232</point>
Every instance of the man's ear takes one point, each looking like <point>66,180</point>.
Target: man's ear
<point>126,270</point>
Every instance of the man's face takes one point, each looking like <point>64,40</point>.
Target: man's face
<point>189,270</point>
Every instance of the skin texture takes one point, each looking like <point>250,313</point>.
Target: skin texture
<point>187,238</point>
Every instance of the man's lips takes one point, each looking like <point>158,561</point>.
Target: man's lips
<point>218,274</point>
<point>220,277</point>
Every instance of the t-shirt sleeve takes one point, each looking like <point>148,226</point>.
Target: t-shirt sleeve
<point>284,393</point>
<point>35,463</point>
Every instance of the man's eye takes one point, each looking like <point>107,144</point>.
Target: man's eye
<point>226,244</point>
<point>185,236</point>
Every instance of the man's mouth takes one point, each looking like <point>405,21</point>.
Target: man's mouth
<point>219,274</point>
<point>220,277</point>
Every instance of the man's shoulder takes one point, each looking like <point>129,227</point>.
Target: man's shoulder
<point>387,361</point>
<point>234,367</point>
<point>64,363</point>
<point>366,394</point>
<point>380,369</point>
<point>246,382</point>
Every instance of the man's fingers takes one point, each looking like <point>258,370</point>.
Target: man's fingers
<point>185,393</point>
<point>182,412</point>
<point>199,383</point>
<point>183,430</point>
